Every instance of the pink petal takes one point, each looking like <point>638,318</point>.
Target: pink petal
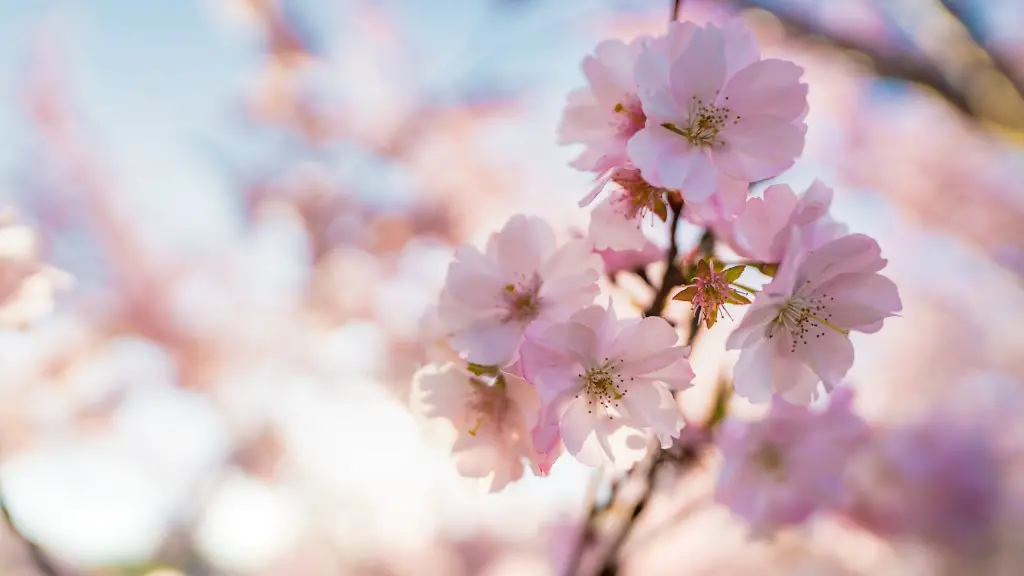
<point>829,354</point>
<point>813,204</point>
<point>701,179</point>
<point>759,147</point>
<point>661,156</point>
<point>754,324</point>
<point>699,72</point>
<point>441,393</point>
<point>762,219</point>
<point>741,49</point>
<point>489,342</point>
<point>523,243</point>
<point>611,230</point>
<point>767,87</point>
<point>599,185</point>
<point>853,253</point>
<point>524,399</point>
<point>473,279</point>
<point>676,376</point>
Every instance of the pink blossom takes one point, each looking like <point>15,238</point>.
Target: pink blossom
<point>796,333</point>
<point>780,470</point>
<point>604,115</point>
<point>616,223</point>
<point>27,285</point>
<point>762,230</point>
<point>718,117</point>
<point>625,260</point>
<point>938,481</point>
<point>610,382</point>
<point>493,421</point>
<point>491,297</point>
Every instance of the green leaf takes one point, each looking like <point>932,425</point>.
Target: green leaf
<point>686,294</point>
<point>736,298</point>
<point>661,209</point>
<point>481,370</point>
<point>703,270</point>
<point>733,274</point>
<point>768,269</point>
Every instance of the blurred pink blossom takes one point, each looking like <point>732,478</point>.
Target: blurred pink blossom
<point>780,470</point>
<point>493,420</point>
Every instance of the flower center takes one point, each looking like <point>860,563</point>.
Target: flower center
<point>803,317</point>
<point>704,124</point>
<point>522,300</point>
<point>769,459</point>
<point>629,117</point>
<point>488,405</point>
<point>603,385</point>
<point>639,197</point>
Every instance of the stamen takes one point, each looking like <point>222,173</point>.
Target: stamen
<point>704,124</point>
<point>603,384</point>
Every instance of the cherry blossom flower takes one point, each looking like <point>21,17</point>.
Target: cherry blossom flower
<point>604,115</point>
<point>796,333</point>
<point>718,117</point>
<point>610,382</point>
<point>491,297</point>
<point>493,421</point>
<point>780,470</point>
<point>762,230</point>
<point>937,481</point>
<point>712,290</point>
<point>616,223</point>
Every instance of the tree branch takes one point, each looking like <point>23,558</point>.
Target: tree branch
<point>904,67</point>
<point>1015,76</point>
<point>672,276</point>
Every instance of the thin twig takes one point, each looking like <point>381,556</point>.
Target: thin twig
<point>1012,73</point>
<point>587,532</point>
<point>672,276</point>
<point>885,63</point>
<point>677,7</point>
<point>40,559</point>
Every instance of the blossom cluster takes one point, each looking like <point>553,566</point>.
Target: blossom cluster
<point>531,362</point>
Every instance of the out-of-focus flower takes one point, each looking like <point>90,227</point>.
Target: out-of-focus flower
<point>27,286</point>
<point>796,333</point>
<point>780,470</point>
<point>610,382</point>
<point>718,117</point>
<point>712,290</point>
<point>493,420</point>
<point>762,230</point>
<point>604,115</point>
<point>938,481</point>
<point>491,297</point>
<point>616,223</point>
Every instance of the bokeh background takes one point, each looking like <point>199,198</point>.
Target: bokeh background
<point>259,198</point>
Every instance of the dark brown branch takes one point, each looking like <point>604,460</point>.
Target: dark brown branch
<point>677,8</point>
<point>673,276</point>
<point>886,64</point>
<point>40,559</point>
<point>1012,73</point>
